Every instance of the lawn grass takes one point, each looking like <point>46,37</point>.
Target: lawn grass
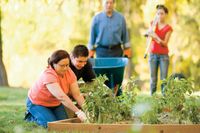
<point>12,108</point>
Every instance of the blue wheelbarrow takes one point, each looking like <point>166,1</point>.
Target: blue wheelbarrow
<point>113,68</point>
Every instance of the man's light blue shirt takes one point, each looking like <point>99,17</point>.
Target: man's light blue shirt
<point>108,31</point>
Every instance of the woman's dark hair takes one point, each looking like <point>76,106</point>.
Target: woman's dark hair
<point>80,51</point>
<point>57,56</point>
<point>162,7</point>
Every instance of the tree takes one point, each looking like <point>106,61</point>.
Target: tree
<point>3,75</point>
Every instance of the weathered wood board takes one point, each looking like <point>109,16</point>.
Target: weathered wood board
<point>74,125</point>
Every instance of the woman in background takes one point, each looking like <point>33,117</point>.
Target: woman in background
<point>159,49</point>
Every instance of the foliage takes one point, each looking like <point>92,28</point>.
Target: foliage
<point>192,110</point>
<point>12,104</point>
<point>185,49</point>
<point>176,91</point>
<point>176,106</point>
<point>101,106</point>
<point>32,29</point>
<point>128,98</point>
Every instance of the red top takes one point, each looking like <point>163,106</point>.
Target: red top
<point>157,48</point>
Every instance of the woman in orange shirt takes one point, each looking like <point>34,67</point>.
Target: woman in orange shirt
<point>48,96</point>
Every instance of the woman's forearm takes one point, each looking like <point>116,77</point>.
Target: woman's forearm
<point>77,94</point>
<point>161,41</point>
<point>56,91</point>
<point>67,102</point>
<point>80,100</point>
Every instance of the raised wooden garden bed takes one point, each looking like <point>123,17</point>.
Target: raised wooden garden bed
<point>74,125</point>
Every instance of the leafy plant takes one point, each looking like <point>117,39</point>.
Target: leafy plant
<point>176,91</point>
<point>101,106</point>
<point>176,106</point>
<point>192,110</point>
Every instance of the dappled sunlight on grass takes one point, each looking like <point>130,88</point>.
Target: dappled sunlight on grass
<point>12,109</point>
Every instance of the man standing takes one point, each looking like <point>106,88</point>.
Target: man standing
<point>80,64</point>
<point>109,33</point>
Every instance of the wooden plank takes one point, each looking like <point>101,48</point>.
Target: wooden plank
<point>71,125</point>
<point>166,128</point>
<point>71,120</point>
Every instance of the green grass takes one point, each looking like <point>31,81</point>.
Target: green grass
<point>12,108</point>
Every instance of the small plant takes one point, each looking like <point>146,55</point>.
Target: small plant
<point>176,91</point>
<point>127,99</point>
<point>192,110</point>
<point>176,106</point>
<point>101,106</point>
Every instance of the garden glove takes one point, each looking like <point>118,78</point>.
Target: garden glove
<point>81,115</point>
<point>127,52</point>
<point>91,53</point>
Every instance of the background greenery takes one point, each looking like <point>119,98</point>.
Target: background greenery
<point>32,29</point>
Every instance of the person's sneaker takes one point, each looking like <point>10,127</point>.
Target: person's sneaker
<point>28,116</point>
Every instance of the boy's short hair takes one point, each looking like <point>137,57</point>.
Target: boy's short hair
<point>80,51</point>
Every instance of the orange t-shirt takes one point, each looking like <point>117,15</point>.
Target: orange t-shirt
<point>40,95</point>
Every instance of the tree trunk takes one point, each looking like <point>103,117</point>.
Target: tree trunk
<point>3,75</point>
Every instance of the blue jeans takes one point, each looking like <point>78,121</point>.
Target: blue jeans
<point>155,61</point>
<point>42,115</point>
